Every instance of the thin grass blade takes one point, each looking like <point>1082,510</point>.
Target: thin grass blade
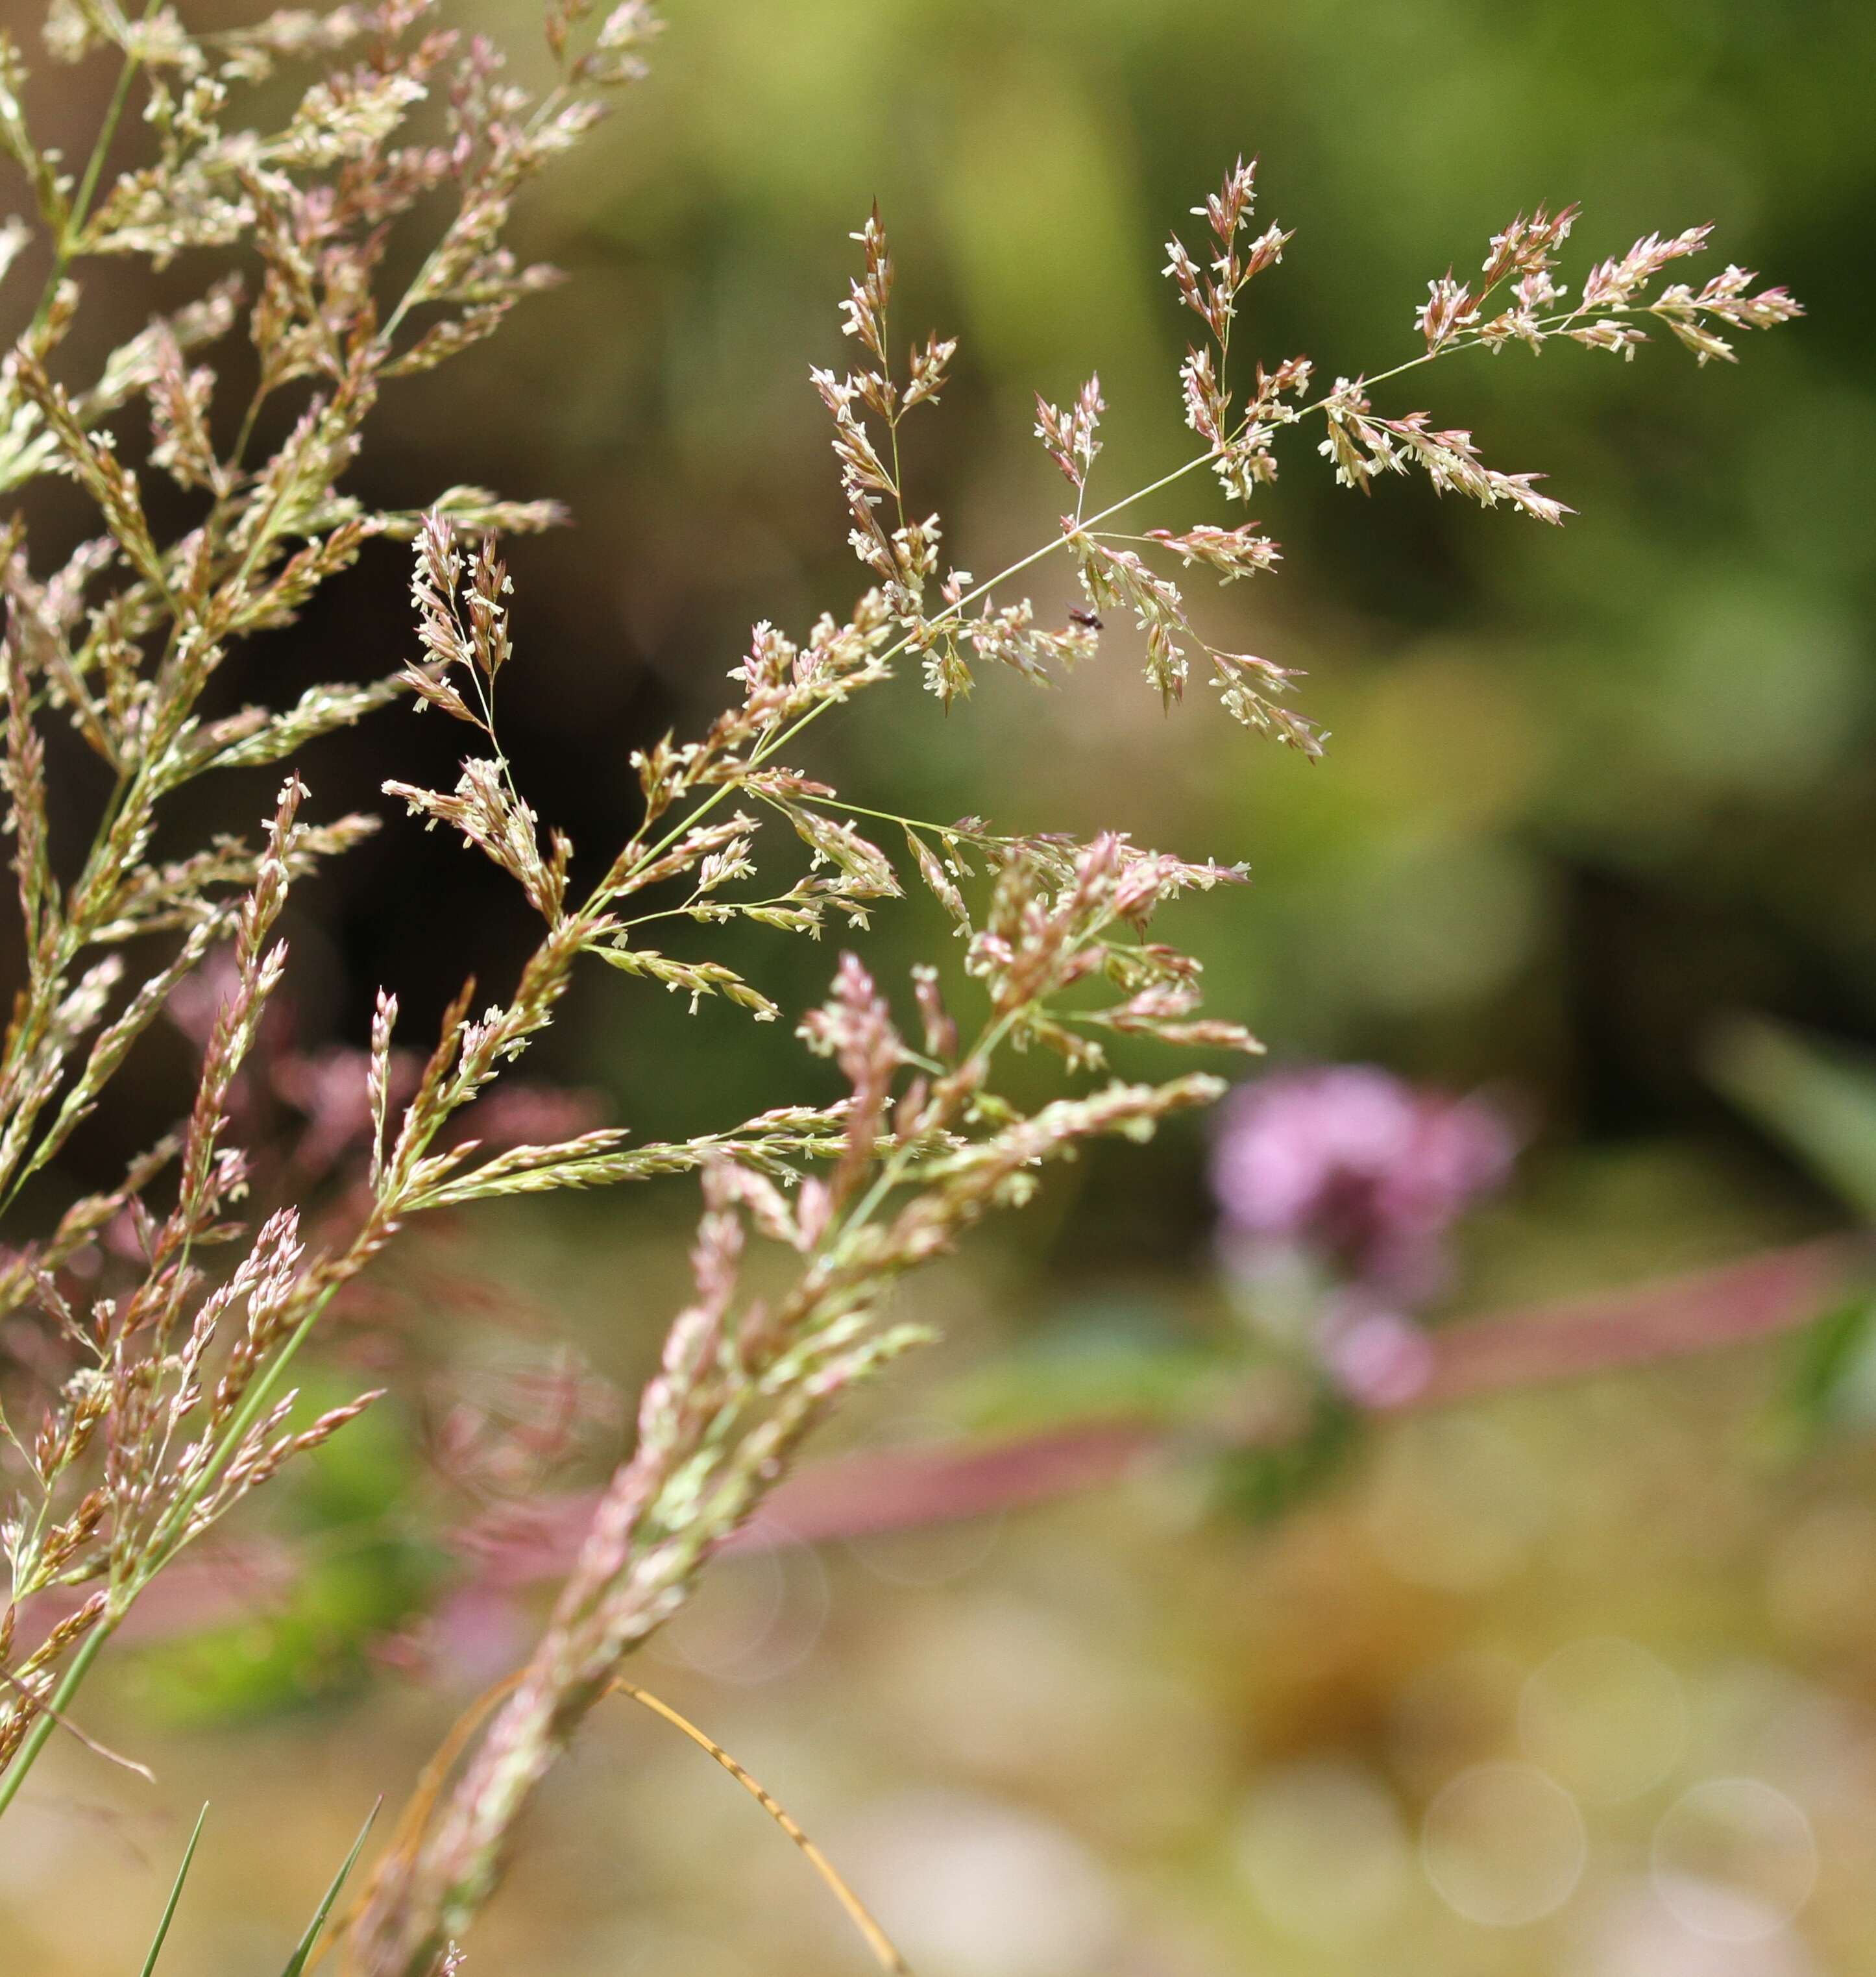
<point>296,1963</point>
<point>175,1895</point>
<point>885,1952</point>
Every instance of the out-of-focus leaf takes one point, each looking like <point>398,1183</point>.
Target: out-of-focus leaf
<point>1260,1484</point>
<point>1101,1361</point>
<point>1832,1383</point>
<point>362,1572</point>
<point>175,1895</point>
<point>1819,1097</point>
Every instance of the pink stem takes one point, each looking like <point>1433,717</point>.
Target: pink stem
<point>900,1489</point>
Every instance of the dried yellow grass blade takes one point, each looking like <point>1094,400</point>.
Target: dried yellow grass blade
<point>885,1952</point>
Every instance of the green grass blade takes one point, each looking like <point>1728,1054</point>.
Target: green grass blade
<point>1831,1380</point>
<point>296,1963</point>
<point>1819,1099</point>
<point>175,1895</point>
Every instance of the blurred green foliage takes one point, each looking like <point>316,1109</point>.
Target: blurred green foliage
<point>1819,1100</point>
<point>360,1568</point>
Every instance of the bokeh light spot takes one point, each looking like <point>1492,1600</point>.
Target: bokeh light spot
<point>1734,1860</point>
<point>1605,1717</point>
<point>1504,1845</point>
<point>1323,1850</point>
<point>981,1888</point>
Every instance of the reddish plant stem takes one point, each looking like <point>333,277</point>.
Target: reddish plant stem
<point>903,1489</point>
<point>1700,1312</point>
<point>900,1488</point>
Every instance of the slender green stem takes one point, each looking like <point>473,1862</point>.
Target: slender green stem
<point>88,186</point>
<point>245,437</point>
<point>990,837</point>
<point>1465,340</point>
<point>94,166</point>
<point>688,910</point>
<point>169,1535</point>
<point>76,1669</point>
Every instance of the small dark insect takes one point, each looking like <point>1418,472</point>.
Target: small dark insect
<point>1086,619</point>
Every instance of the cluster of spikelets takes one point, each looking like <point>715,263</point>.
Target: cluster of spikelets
<point>170,1317</point>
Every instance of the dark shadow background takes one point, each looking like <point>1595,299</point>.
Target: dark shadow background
<point>1588,790</point>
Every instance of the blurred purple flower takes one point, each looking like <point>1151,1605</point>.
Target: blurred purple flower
<point>1378,1356</point>
<point>1360,1169</point>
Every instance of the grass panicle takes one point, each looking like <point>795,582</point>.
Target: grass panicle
<point>174,1304</point>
